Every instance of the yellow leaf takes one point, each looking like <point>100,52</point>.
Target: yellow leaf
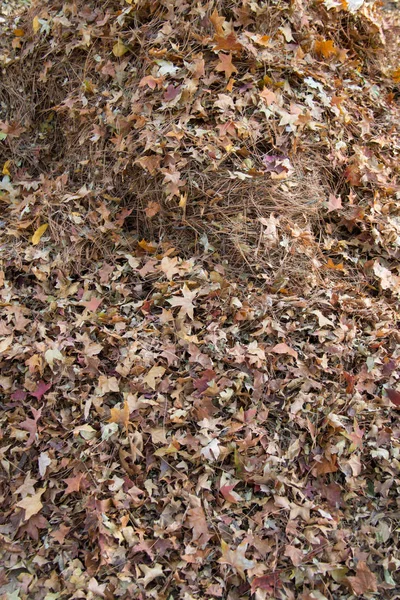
<point>182,201</point>
<point>6,168</point>
<point>35,24</point>
<point>19,32</point>
<point>396,75</point>
<point>119,49</point>
<point>38,234</point>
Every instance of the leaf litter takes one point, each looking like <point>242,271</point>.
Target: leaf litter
<point>199,300</point>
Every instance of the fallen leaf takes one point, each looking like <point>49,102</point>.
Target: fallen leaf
<point>41,389</point>
<point>120,415</point>
<point>152,376</point>
<point>73,483</point>
<point>152,209</point>
<point>150,573</point>
<point>393,395</point>
<point>186,302</point>
<point>225,65</point>
<point>31,504</point>
<point>325,48</point>
<point>35,24</point>
<point>93,304</point>
<point>364,580</point>
<point>334,203</point>
<point>119,49</point>
<point>284,349</point>
<point>236,558</point>
<point>44,462</point>
<point>38,233</point>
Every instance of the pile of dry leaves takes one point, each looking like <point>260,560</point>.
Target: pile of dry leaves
<point>199,349</point>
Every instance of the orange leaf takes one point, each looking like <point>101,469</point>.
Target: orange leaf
<point>217,22</point>
<point>152,209</point>
<point>228,43</point>
<point>325,48</point>
<point>331,265</point>
<point>120,415</point>
<point>147,246</point>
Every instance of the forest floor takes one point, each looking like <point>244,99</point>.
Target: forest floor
<point>199,300</point>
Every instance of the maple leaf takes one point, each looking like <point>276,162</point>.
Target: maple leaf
<point>75,483</point>
<point>218,22</point>
<point>331,265</point>
<point>60,534</point>
<point>212,451</point>
<point>93,304</point>
<point>334,203</point>
<point>236,558</point>
<point>225,65</point>
<point>151,378</point>
<point>172,92</point>
<point>169,267</point>
<point>295,555</point>
<point>120,415</point>
<point>186,302</point>
<point>364,580</point>
<point>268,95</point>
<point>228,42</point>
<point>31,504</point>
<point>229,494</point>
<point>270,583</point>
<point>325,48</point>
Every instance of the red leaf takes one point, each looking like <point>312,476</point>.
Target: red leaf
<point>269,583</point>
<point>41,389</point>
<point>394,396</point>
<point>172,92</point>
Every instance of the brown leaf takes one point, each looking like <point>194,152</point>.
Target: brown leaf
<point>152,209</point>
<point>284,349</point>
<point>31,504</point>
<point>217,22</point>
<point>236,558</point>
<point>225,65</point>
<point>73,483</point>
<point>229,43</point>
<point>198,523</point>
<point>364,580</point>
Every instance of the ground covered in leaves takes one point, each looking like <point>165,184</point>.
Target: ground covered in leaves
<point>199,300</point>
